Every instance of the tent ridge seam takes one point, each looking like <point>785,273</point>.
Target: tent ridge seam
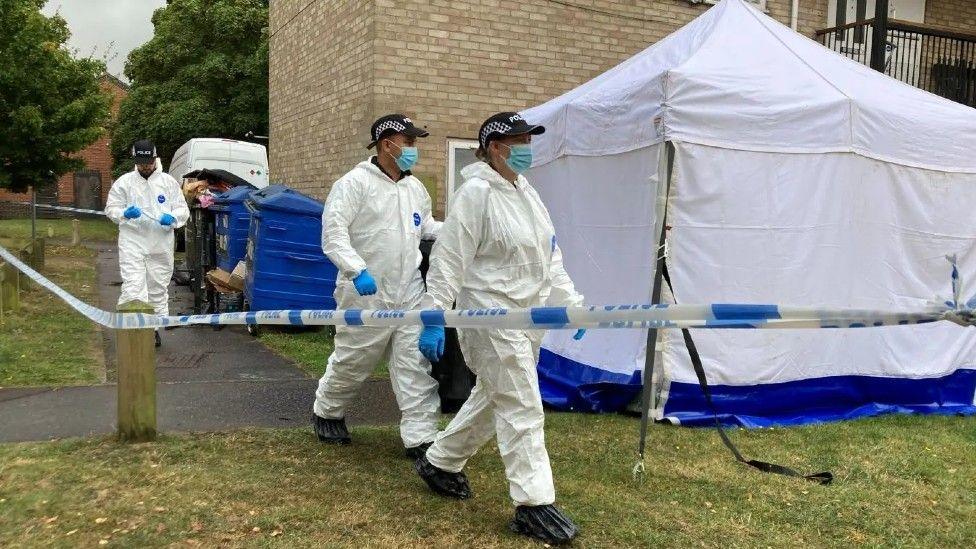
<point>850,100</point>
<point>701,46</point>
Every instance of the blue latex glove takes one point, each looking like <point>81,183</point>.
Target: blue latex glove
<point>432,342</point>
<point>579,334</point>
<point>166,220</point>
<point>132,212</point>
<point>364,283</point>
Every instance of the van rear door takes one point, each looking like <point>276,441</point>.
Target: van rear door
<point>249,161</point>
<point>210,153</point>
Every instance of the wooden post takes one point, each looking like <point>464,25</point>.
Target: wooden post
<point>136,355</point>
<point>25,252</point>
<point>75,232</point>
<point>9,288</point>
<point>37,254</point>
<point>33,212</point>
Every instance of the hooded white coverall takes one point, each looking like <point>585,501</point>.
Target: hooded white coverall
<point>498,249</point>
<point>145,246</point>
<point>372,222</point>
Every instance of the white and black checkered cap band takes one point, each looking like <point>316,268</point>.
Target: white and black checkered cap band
<point>491,128</point>
<point>394,125</point>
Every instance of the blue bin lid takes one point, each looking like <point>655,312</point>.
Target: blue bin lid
<point>233,196</point>
<point>284,199</point>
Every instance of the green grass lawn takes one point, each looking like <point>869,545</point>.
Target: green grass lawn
<point>901,481</point>
<point>46,342</point>
<point>91,229</point>
<point>308,349</point>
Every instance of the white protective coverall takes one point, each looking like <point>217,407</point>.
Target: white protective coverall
<point>498,249</point>
<point>372,222</point>
<point>145,246</point>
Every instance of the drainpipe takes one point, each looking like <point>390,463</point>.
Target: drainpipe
<point>795,14</point>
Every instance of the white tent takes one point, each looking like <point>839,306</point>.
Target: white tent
<point>799,177</point>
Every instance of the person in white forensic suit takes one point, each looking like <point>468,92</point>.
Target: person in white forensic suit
<point>373,221</point>
<point>498,249</point>
<point>148,206</point>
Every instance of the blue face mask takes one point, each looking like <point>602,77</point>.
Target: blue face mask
<point>519,158</point>
<point>408,157</point>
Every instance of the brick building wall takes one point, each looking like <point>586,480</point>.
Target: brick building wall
<point>446,63</point>
<point>97,156</point>
<point>957,15</point>
<point>321,75</point>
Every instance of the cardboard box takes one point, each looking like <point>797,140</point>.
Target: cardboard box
<point>239,274</point>
<point>224,282</point>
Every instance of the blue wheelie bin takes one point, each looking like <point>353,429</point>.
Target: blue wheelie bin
<point>286,268</point>
<point>232,224</point>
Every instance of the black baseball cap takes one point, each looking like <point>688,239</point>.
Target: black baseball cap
<point>393,123</point>
<point>505,124</point>
<point>144,152</point>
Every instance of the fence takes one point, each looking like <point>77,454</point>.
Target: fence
<point>134,324</point>
<point>135,348</point>
<point>936,60</point>
<point>13,281</point>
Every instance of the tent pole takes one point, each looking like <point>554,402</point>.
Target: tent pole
<point>665,168</point>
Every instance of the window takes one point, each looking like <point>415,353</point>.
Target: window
<point>460,153</point>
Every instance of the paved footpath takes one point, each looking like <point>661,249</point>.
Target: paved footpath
<point>207,380</point>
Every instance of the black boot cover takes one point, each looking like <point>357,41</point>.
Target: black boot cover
<point>453,485</point>
<point>331,430</point>
<point>544,522</point>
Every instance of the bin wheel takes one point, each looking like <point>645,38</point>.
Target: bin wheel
<point>253,330</point>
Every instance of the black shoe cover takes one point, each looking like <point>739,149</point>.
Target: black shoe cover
<point>416,452</point>
<point>453,485</point>
<point>544,522</point>
<point>331,430</point>
<point>159,340</point>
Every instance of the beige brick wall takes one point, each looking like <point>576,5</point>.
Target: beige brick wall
<point>448,64</point>
<point>957,15</point>
<point>321,82</point>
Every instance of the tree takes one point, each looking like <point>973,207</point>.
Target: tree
<point>203,74</point>
<point>50,103</point>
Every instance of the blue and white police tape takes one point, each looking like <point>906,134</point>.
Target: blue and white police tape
<point>716,316</point>
<point>61,208</point>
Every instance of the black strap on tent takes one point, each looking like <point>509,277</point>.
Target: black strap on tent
<point>823,478</point>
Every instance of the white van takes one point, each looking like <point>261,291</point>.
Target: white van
<point>247,160</point>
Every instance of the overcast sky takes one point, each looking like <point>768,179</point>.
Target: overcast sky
<point>98,25</point>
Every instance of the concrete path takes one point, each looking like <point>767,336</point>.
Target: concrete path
<point>208,380</point>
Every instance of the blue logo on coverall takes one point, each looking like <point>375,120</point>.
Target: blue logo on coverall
<point>160,199</point>
<point>416,219</point>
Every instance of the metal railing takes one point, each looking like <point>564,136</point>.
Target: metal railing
<point>936,60</point>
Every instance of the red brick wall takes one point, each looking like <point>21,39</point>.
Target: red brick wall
<point>98,155</point>
<point>11,210</point>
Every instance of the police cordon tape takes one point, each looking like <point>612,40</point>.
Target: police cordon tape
<point>61,208</point>
<point>641,316</point>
